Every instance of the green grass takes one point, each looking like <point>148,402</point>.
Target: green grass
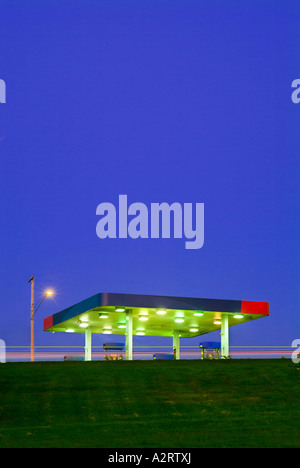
<point>156,404</point>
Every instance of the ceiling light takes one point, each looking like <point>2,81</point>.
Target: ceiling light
<point>69,330</point>
<point>103,316</point>
<point>179,313</point>
<point>84,319</point>
<point>217,322</point>
<point>143,318</point>
<point>140,333</point>
<point>198,314</point>
<point>179,320</point>
<point>120,309</point>
<point>83,324</point>
<point>121,326</point>
<point>106,332</point>
<point>161,312</point>
<point>238,316</point>
<point>193,329</point>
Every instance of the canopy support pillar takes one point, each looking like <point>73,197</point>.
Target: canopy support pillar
<point>88,345</point>
<point>176,344</point>
<point>129,335</point>
<point>224,336</point>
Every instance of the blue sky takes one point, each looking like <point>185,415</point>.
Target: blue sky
<point>164,101</point>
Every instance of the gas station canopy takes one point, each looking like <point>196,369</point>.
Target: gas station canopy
<point>106,313</point>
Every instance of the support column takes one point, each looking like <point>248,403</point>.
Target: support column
<point>176,344</point>
<point>129,335</point>
<point>88,344</point>
<point>32,319</point>
<point>224,336</point>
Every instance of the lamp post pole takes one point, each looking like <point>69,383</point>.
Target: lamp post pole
<point>31,280</point>
<point>32,313</point>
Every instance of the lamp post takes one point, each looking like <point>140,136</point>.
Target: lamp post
<point>32,313</point>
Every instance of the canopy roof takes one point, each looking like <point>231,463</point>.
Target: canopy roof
<point>153,315</point>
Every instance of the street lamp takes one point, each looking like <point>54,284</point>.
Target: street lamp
<point>33,312</point>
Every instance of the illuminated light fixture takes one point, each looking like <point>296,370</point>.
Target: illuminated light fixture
<point>120,309</point>
<point>217,322</point>
<point>83,324</point>
<point>69,330</point>
<point>140,333</point>
<point>121,326</point>
<point>238,316</point>
<point>106,332</point>
<point>193,329</point>
<point>49,292</point>
<point>103,316</point>
<point>161,312</point>
<point>179,320</point>
<point>143,317</point>
<point>198,314</point>
<point>179,313</point>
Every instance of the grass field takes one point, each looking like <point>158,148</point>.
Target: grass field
<point>150,404</point>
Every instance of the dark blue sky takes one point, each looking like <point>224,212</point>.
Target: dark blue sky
<point>165,101</point>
